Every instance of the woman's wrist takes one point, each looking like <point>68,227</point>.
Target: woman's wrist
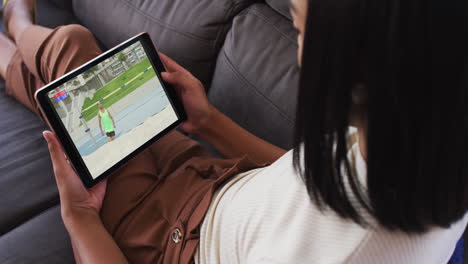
<point>74,217</point>
<point>208,123</point>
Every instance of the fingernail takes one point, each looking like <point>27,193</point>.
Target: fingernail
<point>46,135</point>
<point>164,74</point>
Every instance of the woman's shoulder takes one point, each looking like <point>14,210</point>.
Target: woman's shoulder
<point>275,202</point>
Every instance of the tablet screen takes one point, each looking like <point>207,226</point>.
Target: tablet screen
<point>113,108</point>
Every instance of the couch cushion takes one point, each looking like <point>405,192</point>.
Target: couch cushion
<point>31,229</point>
<point>190,31</point>
<point>61,5</point>
<point>53,13</point>
<point>255,81</point>
<point>43,239</point>
<point>281,6</point>
<point>27,185</point>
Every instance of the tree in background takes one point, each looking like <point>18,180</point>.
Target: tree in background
<point>94,71</point>
<point>76,83</point>
<point>123,60</point>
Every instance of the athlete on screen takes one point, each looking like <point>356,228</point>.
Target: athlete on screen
<point>106,123</point>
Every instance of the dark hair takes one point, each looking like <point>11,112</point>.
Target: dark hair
<point>411,56</point>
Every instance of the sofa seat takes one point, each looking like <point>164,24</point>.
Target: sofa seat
<point>31,230</point>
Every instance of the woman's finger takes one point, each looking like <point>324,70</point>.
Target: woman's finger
<point>177,79</point>
<point>170,64</point>
<point>56,153</point>
<point>59,161</point>
<point>68,182</point>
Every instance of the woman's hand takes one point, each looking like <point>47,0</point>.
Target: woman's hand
<point>204,120</point>
<point>192,94</point>
<point>75,199</point>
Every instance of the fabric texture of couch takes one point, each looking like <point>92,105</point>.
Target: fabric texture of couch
<point>190,31</point>
<point>31,230</point>
<point>256,76</point>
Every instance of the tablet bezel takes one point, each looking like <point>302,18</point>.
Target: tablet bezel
<point>57,126</point>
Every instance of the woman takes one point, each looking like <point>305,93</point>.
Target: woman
<point>393,191</point>
<point>106,120</point>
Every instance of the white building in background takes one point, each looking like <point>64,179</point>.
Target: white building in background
<point>114,67</point>
<point>135,55</point>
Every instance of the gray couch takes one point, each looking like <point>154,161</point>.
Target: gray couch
<point>244,51</point>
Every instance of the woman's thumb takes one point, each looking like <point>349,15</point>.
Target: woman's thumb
<point>56,153</point>
<point>177,79</point>
<point>167,77</point>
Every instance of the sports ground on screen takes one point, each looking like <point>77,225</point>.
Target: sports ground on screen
<point>119,88</point>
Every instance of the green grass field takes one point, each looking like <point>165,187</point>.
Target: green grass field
<point>115,85</point>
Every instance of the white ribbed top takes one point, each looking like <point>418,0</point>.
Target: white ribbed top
<point>266,216</point>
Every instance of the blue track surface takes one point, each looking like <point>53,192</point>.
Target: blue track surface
<point>135,115</point>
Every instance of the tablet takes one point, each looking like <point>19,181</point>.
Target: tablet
<point>112,108</point>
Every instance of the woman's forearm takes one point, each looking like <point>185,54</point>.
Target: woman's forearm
<point>233,141</point>
<point>91,241</point>
<point>76,253</point>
